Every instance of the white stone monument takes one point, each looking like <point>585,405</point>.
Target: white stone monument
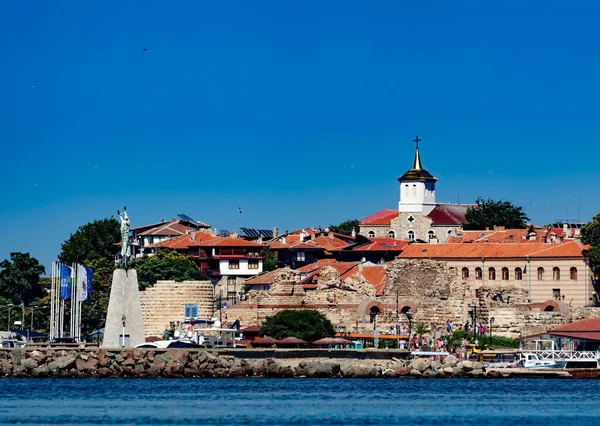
<point>124,325</point>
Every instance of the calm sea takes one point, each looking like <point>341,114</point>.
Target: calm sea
<point>300,401</point>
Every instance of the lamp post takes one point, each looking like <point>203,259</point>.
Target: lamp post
<point>123,320</point>
<point>409,316</point>
<point>397,315</point>
<point>492,319</point>
<point>8,306</point>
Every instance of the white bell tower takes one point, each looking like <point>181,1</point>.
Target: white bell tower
<point>417,188</point>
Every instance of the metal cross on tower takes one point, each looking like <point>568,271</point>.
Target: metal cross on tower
<point>417,140</point>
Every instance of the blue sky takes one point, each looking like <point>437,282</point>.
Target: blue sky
<point>301,113</point>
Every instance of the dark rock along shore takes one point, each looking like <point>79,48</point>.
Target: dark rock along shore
<point>173,363</point>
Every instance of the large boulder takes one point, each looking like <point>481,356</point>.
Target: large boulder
<point>420,364</point>
<point>29,363</point>
<point>450,361</point>
<point>61,363</point>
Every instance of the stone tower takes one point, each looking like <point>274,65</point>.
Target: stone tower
<point>417,188</point>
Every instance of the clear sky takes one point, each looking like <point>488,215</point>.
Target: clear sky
<point>302,113</point>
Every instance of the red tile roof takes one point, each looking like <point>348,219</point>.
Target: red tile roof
<point>383,244</point>
<point>263,279</point>
<point>376,276</point>
<point>383,217</point>
<point>570,249</point>
<point>193,239</point>
<point>588,328</point>
<point>169,229</point>
<point>449,214</point>
<point>505,236</point>
<point>329,243</point>
<point>229,242</point>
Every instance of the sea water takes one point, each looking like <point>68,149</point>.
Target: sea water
<point>300,401</point>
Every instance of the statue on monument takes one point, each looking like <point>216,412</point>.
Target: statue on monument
<point>125,225</point>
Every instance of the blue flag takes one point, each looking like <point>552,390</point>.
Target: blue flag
<point>66,274</point>
<point>89,283</point>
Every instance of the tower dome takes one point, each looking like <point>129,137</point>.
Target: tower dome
<point>417,187</point>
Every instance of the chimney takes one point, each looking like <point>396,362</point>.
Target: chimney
<point>193,236</point>
<point>360,267</point>
<point>499,228</point>
<point>312,233</point>
<point>353,233</point>
<point>173,220</point>
<point>234,234</point>
<point>275,232</point>
<point>260,240</point>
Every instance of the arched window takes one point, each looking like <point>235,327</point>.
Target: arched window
<point>573,273</point>
<point>465,273</point>
<point>478,274</point>
<point>505,273</point>
<point>373,314</point>
<point>406,190</point>
<point>492,273</point>
<point>371,234</point>
<point>414,190</point>
<point>411,235</point>
<point>430,235</point>
<point>540,273</point>
<point>391,234</point>
<point>556,273</point>
<point>518,274</point>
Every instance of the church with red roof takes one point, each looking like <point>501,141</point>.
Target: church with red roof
<point>418,217</point>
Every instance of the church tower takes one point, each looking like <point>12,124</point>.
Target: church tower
<point>417,188</point>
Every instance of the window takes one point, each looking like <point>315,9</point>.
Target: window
<point>504,273</point>
<point>465,273</point>
<point>430,235</point>
<point>406,190</point>
<point>252,264</point>
<point>478,274</point>
<point>411,235</point>
<point>556,273</point>
<point>556,293</point>
<point>392,234</point>
<point>414,190</point>
<point>300,256</point>
<point>518,274</point>
<point>573,273</point>
<point>492,273</point>
<point>371,234</point>
<point>234,264</point>
<point>191,311</point>
<point>540,273</point>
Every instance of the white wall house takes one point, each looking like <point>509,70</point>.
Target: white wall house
<point>241,267</point>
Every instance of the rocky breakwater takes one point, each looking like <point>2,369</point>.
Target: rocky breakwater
<point>201,363</point>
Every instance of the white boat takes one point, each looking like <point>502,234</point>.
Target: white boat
<point>531,360</point>
<point>9,339</point>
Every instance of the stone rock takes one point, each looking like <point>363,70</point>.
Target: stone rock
<point>478,365</point>
<point>6,367</point>
<point>88,367</point>
<point>38,356</point>
<point>29,363</point>
<point>178,355</point>
<point>416,373</point>
<point>402,371</point>
<point>119,358</point>
<point>41,371</point>
<point>448,370</point>
<point>450,360</point>
<point>436,365</point>
<point>61,363</point>
<point>476,373</point>
<point>420,364</point>
<point>465,365</point>
<point>237,372</point>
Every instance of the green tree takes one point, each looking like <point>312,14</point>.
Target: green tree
<point>94,240</point>
<point>166,265</point>
<point>271,262</point>
<point>489,213</point>
<point>421,329</point>
<point>590,234</point>
<point>19,276</point>
<point>346,227</point>
<point>304,324</point>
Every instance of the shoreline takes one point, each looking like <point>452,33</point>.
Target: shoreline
<point>203,363</point>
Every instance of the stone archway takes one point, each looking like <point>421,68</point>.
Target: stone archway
<point>551,306</point>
